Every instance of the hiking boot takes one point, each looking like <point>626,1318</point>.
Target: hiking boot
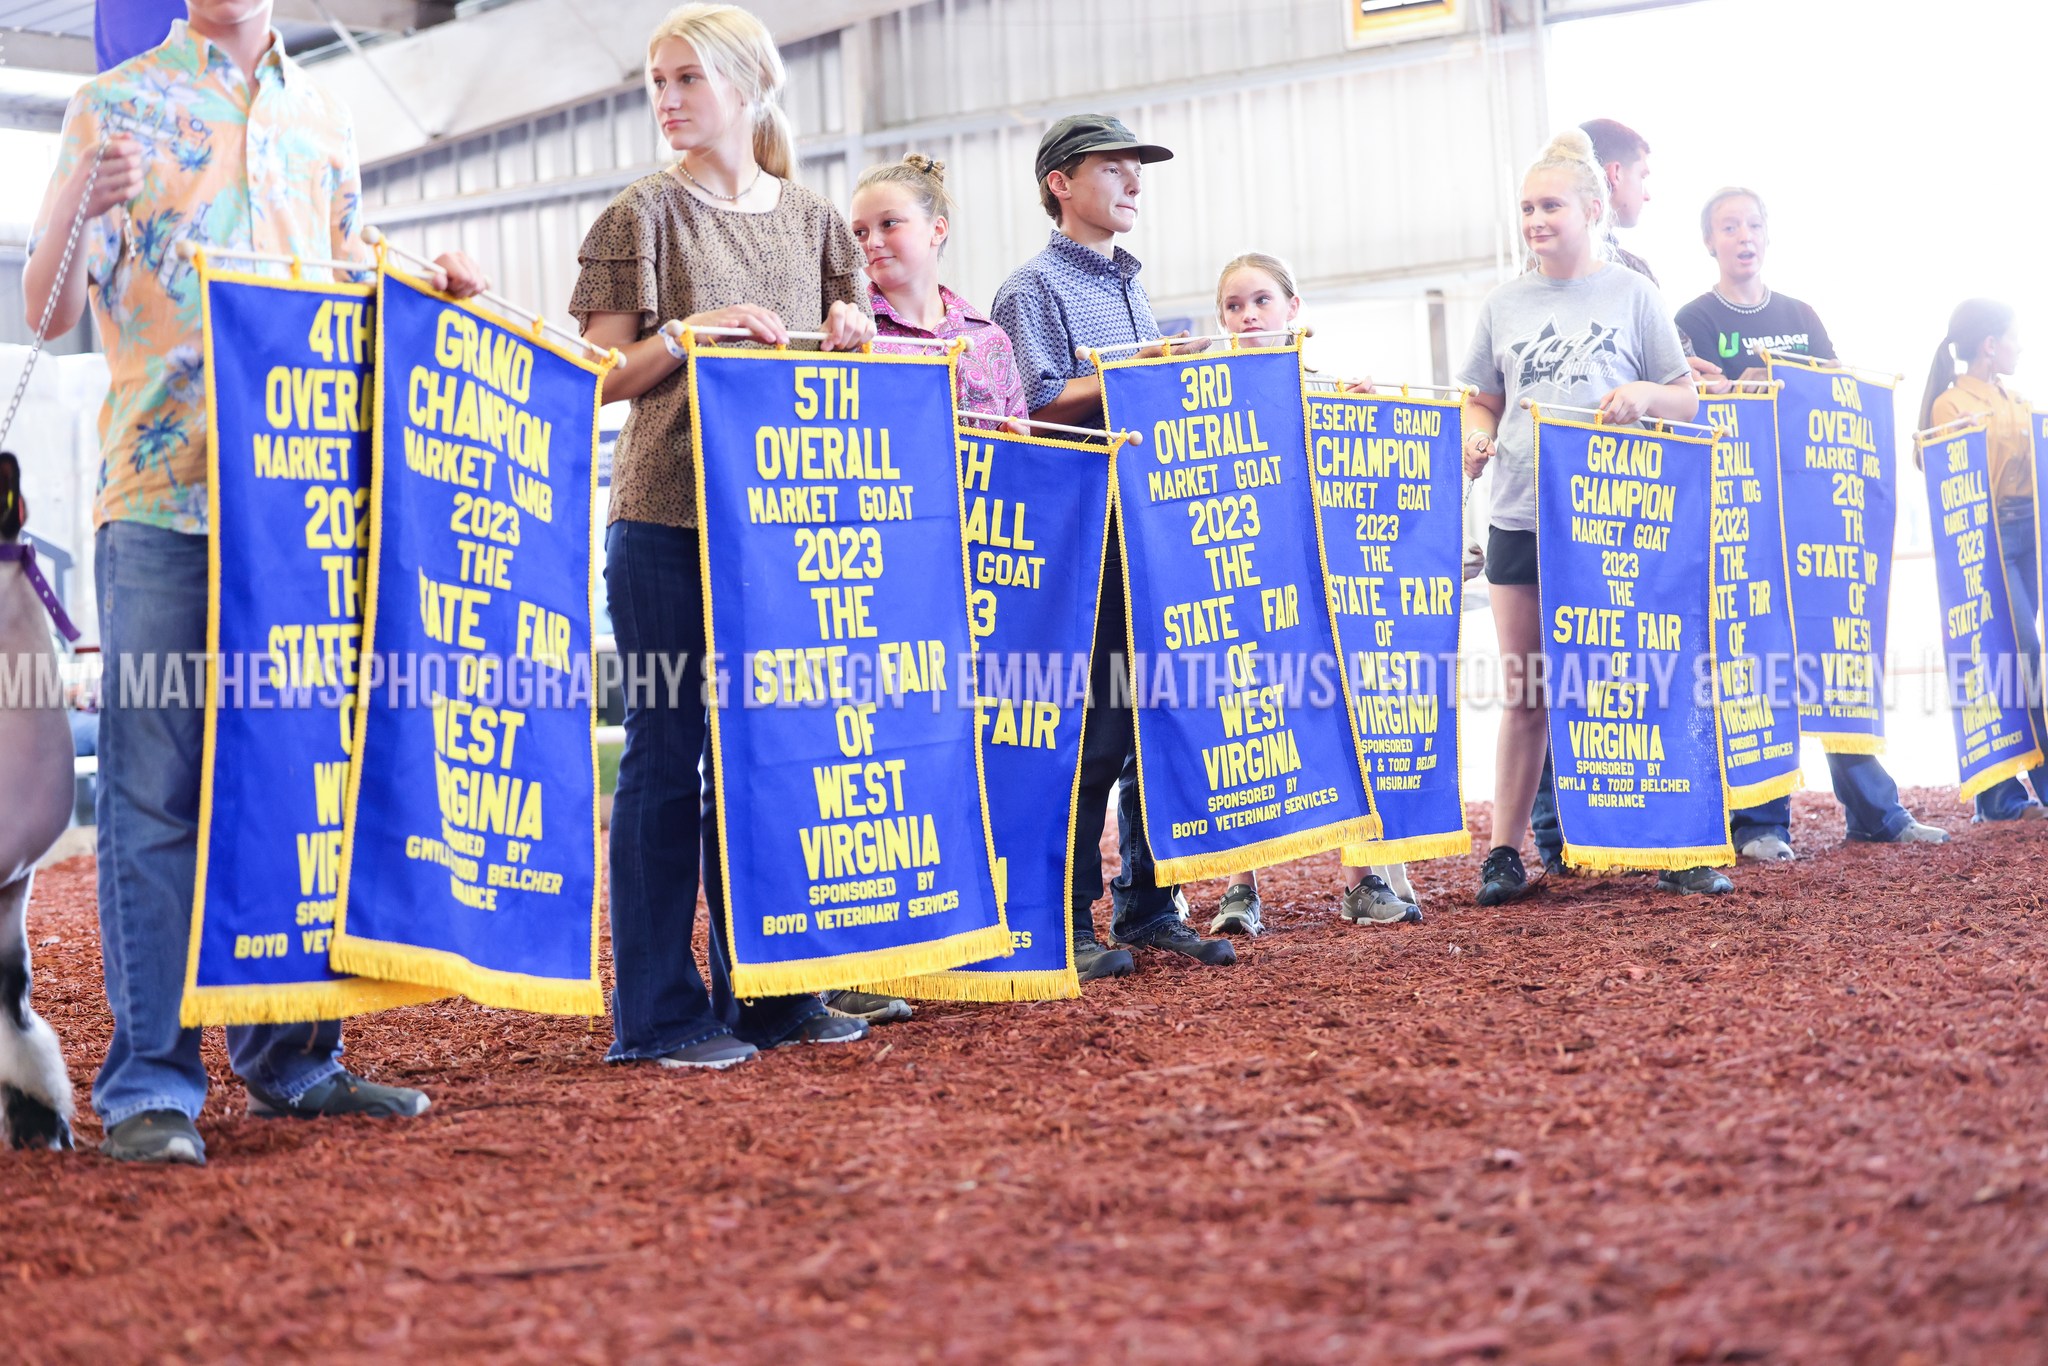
<point>155,1136</point>
<point>1501,877</point>
<point>1174,937</point>
<point>714,1054</point>
<point>1694,881</point>
<point>1238,912</point>
<point>824,1027</point>
<point>344,1093</point>
<point>1554,864</point>
<point>871,1006</point>
<point>1093,959</point>
<point>1916,833</point>
<point>1768,849</point>
<point>1373,900</point>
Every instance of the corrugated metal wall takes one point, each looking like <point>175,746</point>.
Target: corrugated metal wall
<point>1379,174</point>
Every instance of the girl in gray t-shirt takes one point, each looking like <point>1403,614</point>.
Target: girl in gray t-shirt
<point>1577,331</point>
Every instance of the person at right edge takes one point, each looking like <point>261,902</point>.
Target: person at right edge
<point>1734,323</point>
<point>1083,290</point>
<point>1983,338</point>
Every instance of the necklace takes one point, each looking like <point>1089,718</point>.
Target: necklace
<point>704,189</point>
<point>1744,308</point>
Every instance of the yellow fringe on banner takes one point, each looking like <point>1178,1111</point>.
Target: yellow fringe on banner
<point>1267,853</point>
<point>1052,984</point>
<point>1838,743</point>
<point>752,981</point>
<point>1756,794</point>
<point>1597,859</point>
<point>1411,849</point>
<point>1998,773</point>
<point>297,1003</point>
<point>454,973</point>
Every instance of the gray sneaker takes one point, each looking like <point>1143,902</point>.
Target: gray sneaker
<point>1768,849</point>
<point>714,1054</point>
<point>344,1093</point>
<point>155,1136</point>
<point>1238,912</point>
<point>871,1006</point>
<point>1916,833</point>
<point>1374,901</point>
<point>824,1027</point>
<point>1694,881</point>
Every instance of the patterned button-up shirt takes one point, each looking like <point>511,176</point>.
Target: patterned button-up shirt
<point>985,377</point>
<point>269,167</point>
<point>1069,296</point>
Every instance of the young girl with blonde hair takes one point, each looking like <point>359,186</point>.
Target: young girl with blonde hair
<point>1578,331</point>
<point>720,238</point>
<point>1255,294</point>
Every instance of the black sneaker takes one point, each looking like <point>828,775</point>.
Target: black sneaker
<point>1174,937</point>
<point>1093,959</point>
<point>1694,881</point>
<point>871,1006</point>
<point>155,1136</point>
<point>1502,879</point>
<point>344,1093</point>
<point>1238,912</point>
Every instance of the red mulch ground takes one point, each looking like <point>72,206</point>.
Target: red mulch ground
<point>1802,1123</point>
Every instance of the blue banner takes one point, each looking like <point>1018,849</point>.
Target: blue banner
<point>1624,536</point>
<point>1837,467</point>
<point>1987,680</point>
<point>1246,750</point>
<point>1390,484</point>
<point>846,761</point>
<point>1037,517</point>
<point>288,376</point>
<point>1756,658</point>
<point>470,861</point>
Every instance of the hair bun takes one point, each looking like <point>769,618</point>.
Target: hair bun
<point>931,166</point>
<point>1572,144</point>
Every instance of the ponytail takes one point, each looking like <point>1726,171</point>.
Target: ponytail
<point>774,140</point>
<point>1939,377</point>
<point>1974,322</point>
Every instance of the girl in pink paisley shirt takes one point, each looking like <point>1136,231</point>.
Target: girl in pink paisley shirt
<point>901,216</point>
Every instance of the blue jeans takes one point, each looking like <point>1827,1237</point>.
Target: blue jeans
<point>1869,798</point>
<point>664,818</point>
<point>2008,800</point>
<point>1109,757</point>
<point>152,588</point>
<point>1543,822</point>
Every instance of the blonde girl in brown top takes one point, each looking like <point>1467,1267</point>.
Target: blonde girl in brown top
<point>722,238</point>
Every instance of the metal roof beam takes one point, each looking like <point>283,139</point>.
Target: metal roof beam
<point>388,16</point>
<point>563,51</point>
<point>47,52</point>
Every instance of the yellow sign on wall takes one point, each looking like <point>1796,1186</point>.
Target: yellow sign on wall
<point>1372,22</point>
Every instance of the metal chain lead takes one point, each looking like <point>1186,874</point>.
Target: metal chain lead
<point>56,288</point>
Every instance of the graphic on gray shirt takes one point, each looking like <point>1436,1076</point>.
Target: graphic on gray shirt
<point>1568,343</point>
